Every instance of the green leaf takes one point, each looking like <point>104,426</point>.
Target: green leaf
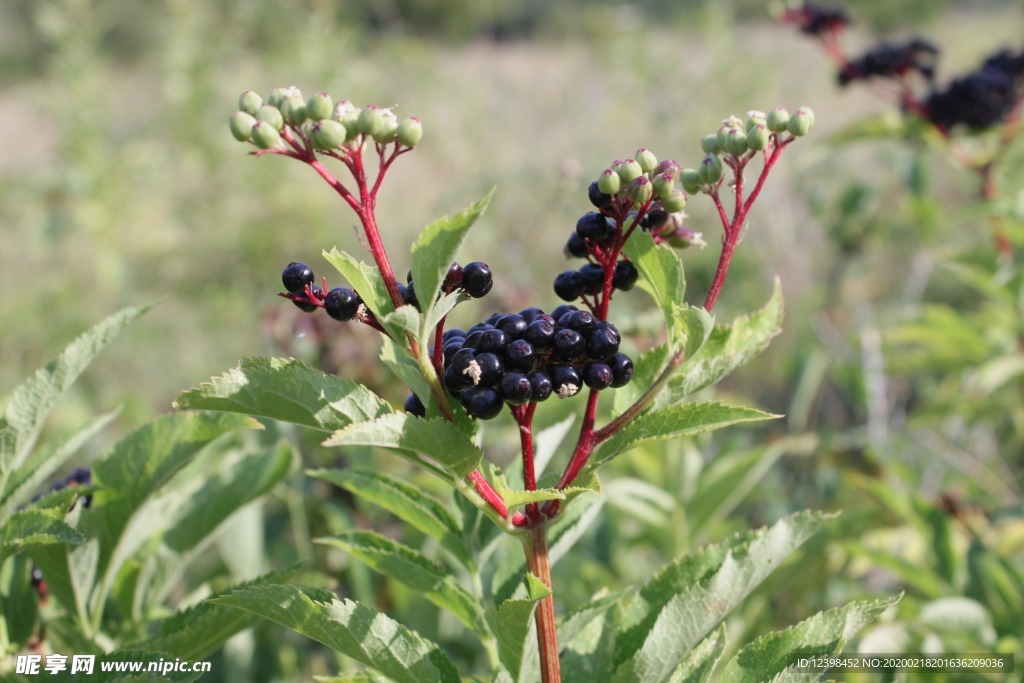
<point>586,639</point>
<point>663,278</point>
<point>681,604</point>
<point>287,390</point>
<point>408,503</point>
<point>411,568</point>
<point>196,632</point>
<point>405,368</point>
<point>728,347</point>
<point>700,663</point>
<point>354,630</point>
<point>19,606</point>
<point>436,247</point>
<point>437,439</point>
<point>513,623</point>
<point>31,402</point>
<point>824,633</point>
<point>365,279</point>
<point>681,419</point>
<point>32,527</point>
<point>402,321</point>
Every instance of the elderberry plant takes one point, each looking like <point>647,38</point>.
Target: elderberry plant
<point>515,361</point>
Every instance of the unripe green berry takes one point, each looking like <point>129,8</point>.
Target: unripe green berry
<point>250,102</point>
<point>777,120</point>
<point>663,184</point>
<point>629,170</point>
<point>348,114</point>
<point>710,171</point>
<point>271,115</point>
<point>800,122</point>
<point>410,132</point>
<point>757,137</point>
<point>690,180</point>
<point>319,107</point>
<point>241,126</point>
<point>640,190</point>
<point>755,118</point>
<point>674,202</point>
<point>609,182</point>
<point>294,111</point>
<point>808,111</point>
<point>265,136</point>
<point>388,128</point>
<point>709,143</point>
<point>328,134</point>
<point>735,142</point>
<point>279,95</point>
<point>668,166</point>
<point>646,159</point>
<point>371,120</point>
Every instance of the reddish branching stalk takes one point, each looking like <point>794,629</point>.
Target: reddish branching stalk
<point>536,545</point>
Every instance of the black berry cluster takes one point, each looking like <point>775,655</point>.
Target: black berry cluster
<point>982,98</point>
<point>525,357</point>
<point>892,60</point>
<point>80,477</point>
<point>594,232</point>
<point>342,303</point>
<point>816,20</point>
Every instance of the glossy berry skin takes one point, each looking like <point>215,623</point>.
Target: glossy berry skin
<point>562,310</point>
<point>576,247</point>
<point>568,344</point>
<point>597,375</point>
<point>414,406</point>
<point>532,313</point>
<point>540,334</point>
<point>565,380</point>
<point>449,350</point>
<point>477,279</point>
<point>569,285</point>
<point>514,325</point>
<point>581,321</point>
<point>453,278</point>
<point>520,355</point>
<point>491,368</point>
<point>655,218</point>
<point>454,382</point>
<point>342,303</point>
<point>515,388</point>
<point>453,332</point>
<point>593,226</point>
<point>409,296</point>
<point>602,343</point>
<point>482,402</point>
<point>598,198</point>
<point>492,341</point>
<point>593,278</point>
<point>540,385</point>
<point>461,361</point>
<point>307,307</point>
<point>296,276</point>
<point>622,369</point>
<point>625,276</point>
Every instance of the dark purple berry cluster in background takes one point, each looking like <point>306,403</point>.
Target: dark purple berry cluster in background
<point>525,357</point>
<point>981,99</point>
<point>80,477</point>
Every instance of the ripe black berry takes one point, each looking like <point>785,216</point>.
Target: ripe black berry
<point>593,226</point>
<point>598,198</point>
<point>581,321</point>
<point>492,341</point>
<point>513,325</point>
<point>569,285</point>
<point>530,314</point>
<point>568,344</point>
<point>625,276</point>
<point>515,388</point>
<point>342,303</point>
<point>482,402</point>
<point>409,296</point>
<point>602,343</point>
<point>540,385</point>
<point>622,369</point>
<point>576,247</point>
<point>540,334</point>
<point>476,279</point>
<point>655,218</point>
<point>597,375</point>
<point>453,279</point>
<point>491,368</point>
<point>565,380</point>
<point>414,406</point>
<point>296,276</point>
<point>520,355</point>
<point>449,350</point>
<point>593,278</point>
<point>306,306</point>
<point>453,332</point>
<point>461,361</point>
<point>562,310</point>
<point>454,382</point>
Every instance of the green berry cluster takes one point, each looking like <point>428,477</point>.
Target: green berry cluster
<point>318,121</point>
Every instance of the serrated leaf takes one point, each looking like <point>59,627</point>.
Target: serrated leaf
<point>196,632</point>
<point>363,278</point>
<point>31,402</point>
<point>354,630</point>
<point>674,421</point>
<point>411,568</point>
<point>513,627</point>
<point>408,503</point>
<point>404,320</point>
<point>404,367</point>
<point>727,348</point>
<point>287,390</point>
<point>824,633</point>
<point>437,439</point>
<point>27,528</point>
<point>586,638</point>
<point>436,247</point>
<point>681,604</point>
<point>700,663</point>
<point>662,278</point>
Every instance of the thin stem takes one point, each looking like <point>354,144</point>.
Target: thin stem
<point>535,545</point>
<point>524,418</point>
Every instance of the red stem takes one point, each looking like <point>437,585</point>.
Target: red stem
<point>536,547</point>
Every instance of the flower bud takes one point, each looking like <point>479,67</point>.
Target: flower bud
<point>319,107</point>
<point>735,142</point>
<point>410,132</point>
<point>294,111</point>
<point>241,126</point>
<point>388,127</point>
<point>690,180</point>
<point>371,120</point>
<point>347,114</point>
<point>710,171</point>
<point>609,182</point>
<point>646,159</point>
<point>674,202</point>
<point>250,102</point>
<point>757,137</point>
<point>668,166</point>
<point>271,115</point>
<point>663,185</point>
<point>755,118</point>
<point>777,120</point>
<point>629,170</point>
<point>279,95</point>
<point>265,135</point>
<point>640,190</point>
<point>709,143</point>
<point>328,134</point>
<point>800,122</point>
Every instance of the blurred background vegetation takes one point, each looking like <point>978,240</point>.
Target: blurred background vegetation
<point>899,370</point>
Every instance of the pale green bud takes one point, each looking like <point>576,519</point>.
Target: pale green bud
<point>690,180</point>
<point>609,182</point>
<point>709,143</point>
<point>777,120</point>
<point>319,107</point>
<point>250,102</point>
<point>629,170</point>
<point>410,132</point>
<point>646,159</point>
<point>710,171</point>
<point>241,126</point>
<point>265,136</point>
<point>328,134</point>
<point>271,115</point>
